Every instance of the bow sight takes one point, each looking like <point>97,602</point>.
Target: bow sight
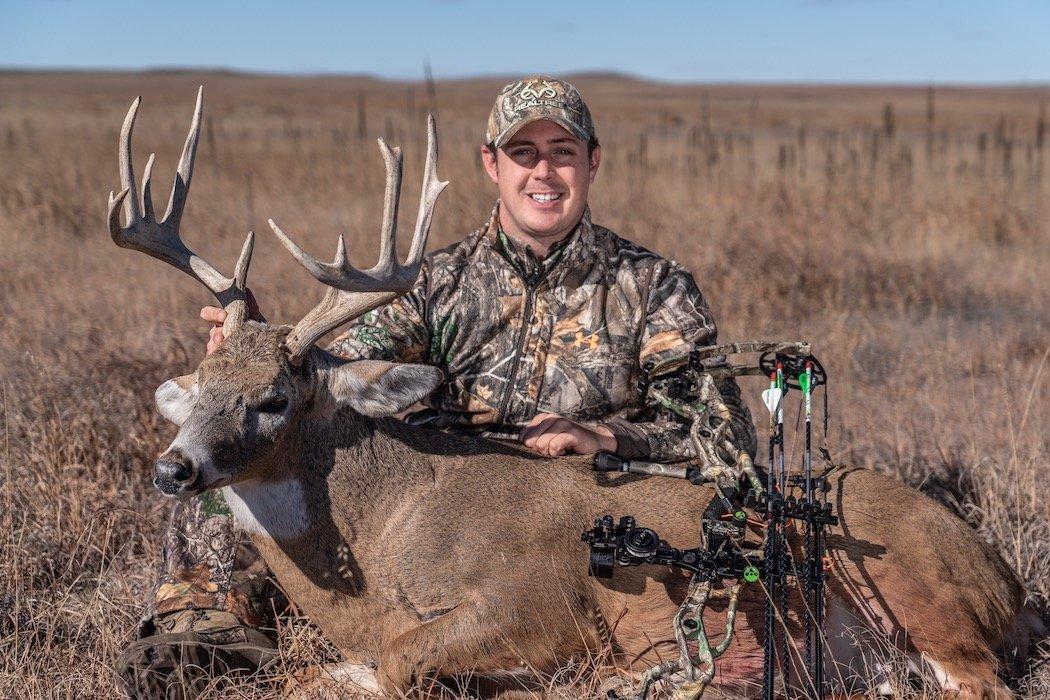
<point>687,387</point>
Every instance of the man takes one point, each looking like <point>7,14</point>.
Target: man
<point>540,320</point>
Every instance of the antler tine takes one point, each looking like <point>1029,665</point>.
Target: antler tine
<point>127,168</point>
<point>147,189</point>
<point>237,310</point>
<point>181,187</point>
<point>354,292</point>
<point>240,271</point>
<point>431,190</point>
<point>339,273</point>
<point>391,198</point>
<point>161,239</point>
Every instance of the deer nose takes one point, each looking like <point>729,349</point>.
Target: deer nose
<point>170,475</point>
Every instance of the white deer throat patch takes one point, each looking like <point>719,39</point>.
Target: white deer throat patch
<point>276,508</point>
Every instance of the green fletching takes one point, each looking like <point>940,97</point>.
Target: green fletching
<point>803,380</point>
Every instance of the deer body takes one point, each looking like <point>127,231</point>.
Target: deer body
<point>433,554</point>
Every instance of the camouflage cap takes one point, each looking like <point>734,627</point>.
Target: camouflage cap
<point>538,97</point>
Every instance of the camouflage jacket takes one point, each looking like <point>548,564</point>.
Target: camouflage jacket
<point>568,334</point>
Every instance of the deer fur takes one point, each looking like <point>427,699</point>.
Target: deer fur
<point>427,555</point>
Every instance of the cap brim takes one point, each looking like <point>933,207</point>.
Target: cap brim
<point>509,132</point>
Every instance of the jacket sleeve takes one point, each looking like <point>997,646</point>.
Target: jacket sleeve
<point>677,320</point>
<point>397,332</point>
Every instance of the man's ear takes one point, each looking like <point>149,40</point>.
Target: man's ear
<point>376,388</point>
<point>595,161</point>
<point>488,159</point>
<point>176,398</point>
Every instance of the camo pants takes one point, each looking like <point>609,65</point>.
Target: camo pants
<point>209,563</point>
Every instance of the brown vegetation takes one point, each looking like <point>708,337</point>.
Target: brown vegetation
<point>905,232</point>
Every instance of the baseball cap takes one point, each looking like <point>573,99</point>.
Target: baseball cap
<point>538,97</point>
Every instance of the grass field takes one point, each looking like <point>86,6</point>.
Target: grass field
<point>904,231</point>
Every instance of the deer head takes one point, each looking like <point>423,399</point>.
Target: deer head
<point>243,404</point>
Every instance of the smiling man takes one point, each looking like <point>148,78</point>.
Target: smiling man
<point>540,321</point>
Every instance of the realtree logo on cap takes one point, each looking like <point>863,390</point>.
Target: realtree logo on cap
<point>546,92</point>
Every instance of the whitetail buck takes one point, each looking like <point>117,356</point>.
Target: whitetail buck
<point>424,554</point>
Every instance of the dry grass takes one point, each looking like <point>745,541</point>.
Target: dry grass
<point>910,245</point>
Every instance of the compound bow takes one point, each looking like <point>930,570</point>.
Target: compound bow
<point>687,387</point>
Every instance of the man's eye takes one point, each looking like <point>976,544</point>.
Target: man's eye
<point>521,152</point>
<point>274,405</point>
<point>564,156</point>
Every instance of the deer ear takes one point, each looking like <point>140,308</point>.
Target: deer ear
<point>176,398</point>
<point>376,388</point>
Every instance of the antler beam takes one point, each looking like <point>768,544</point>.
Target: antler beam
<point>354,292</point>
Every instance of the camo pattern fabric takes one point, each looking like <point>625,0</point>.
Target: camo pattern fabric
<point>209,563</point>
<point>516,336</point>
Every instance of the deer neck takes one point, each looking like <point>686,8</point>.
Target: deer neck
<point>344,471</point>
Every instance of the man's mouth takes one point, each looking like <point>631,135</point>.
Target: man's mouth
<point>546,197</point>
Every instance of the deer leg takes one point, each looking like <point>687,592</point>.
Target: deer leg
<point>968,675</point>
<point>473,638</point>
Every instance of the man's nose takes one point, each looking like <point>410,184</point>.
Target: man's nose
<point>543,169</point>
<point>173,471</point>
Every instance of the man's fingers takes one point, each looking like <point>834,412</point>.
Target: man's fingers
<point>543,441</point>
<point>552,435</point>
<point>215,338</point>
<point>214,314</point>
<point>560,444</point>
<point>539,443</point>
<point>529,436</point>
<point>537,426</point>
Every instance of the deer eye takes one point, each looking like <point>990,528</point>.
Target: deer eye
<point>273,405</point>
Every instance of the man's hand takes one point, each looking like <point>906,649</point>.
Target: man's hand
<point>216,316</point>
<point>551,435</point>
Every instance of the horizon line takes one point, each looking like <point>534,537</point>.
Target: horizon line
<point>466,77</point>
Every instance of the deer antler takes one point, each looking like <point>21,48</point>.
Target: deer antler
<point>354,292</point>
<point>161,238</point>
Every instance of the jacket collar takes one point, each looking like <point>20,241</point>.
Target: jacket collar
<point>561,257</point>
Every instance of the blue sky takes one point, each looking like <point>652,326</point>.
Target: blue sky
<point>802,41</point>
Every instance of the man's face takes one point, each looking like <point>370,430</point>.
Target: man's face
<point>543,174</point>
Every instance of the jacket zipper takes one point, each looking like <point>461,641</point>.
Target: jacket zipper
<point>526,322</point>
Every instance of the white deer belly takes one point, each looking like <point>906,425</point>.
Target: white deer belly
<point>276,509</point>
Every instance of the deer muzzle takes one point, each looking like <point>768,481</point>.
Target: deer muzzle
<point>173,473</point>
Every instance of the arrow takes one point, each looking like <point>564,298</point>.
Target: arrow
<point>772,398</point>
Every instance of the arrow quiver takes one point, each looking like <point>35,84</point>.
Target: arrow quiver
<point>687,386</point>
